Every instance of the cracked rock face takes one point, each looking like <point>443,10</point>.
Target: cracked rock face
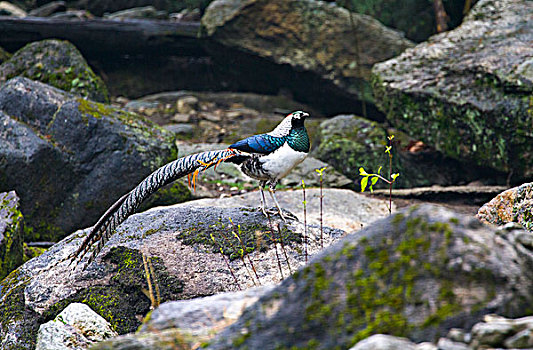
<point>69,158</point>
<point>467,92</point>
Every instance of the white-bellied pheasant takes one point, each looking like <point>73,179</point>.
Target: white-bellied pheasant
<point>265,157</point>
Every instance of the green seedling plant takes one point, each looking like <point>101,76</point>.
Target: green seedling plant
<point>370,179</point>
<point>305,221</point>
<point>320,174</point>
<point>242,251</point>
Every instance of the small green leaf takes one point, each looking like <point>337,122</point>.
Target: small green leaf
<point>374,180</point>
<point>303,184</point>
<point>75,81</point>
<point>387,149</point>
<point>379,169</point>
<point>394,176</point>
<point>362,171</point>
<point>364,182</point>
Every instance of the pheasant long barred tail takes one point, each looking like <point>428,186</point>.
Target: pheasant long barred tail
<point>265,157</point>
<point>129,203</point>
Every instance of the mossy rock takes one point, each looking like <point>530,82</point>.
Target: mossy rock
<point>348,142</point>
<point>100,7</point>
<point>11,233</point>
<point>70,158</point>
<point>450,93</point>
<point>57,63</point>
<point>416,274</point>
<point>173,244</point>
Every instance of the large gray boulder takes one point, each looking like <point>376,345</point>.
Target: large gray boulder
<point>310,36</point>
<point>69,158</point>
<point>57,63</point>
<point>11,235</point>
<point>416,274</point>
<point>182,246</point>
<point>468,92</point>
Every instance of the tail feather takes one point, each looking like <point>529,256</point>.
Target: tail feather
<point>129,203</point>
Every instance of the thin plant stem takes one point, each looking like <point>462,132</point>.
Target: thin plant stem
<point>357,59</point>
<point>321,216</point>
<point>149,281</point>
<point>390,177</point>
<point>226,261</point>
<point>275,245</point>
<point>241,256</point>
<point>305,222</point>
<point>156,283</point>
<point>244,251</point>
<point>283,248</point>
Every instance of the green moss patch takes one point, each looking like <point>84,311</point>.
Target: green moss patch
<point>385,284</point>
<point>124,298</point>
<point>235,240</point>
<point>11,238</point>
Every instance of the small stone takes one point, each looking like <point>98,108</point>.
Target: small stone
<point>49,9</point>
<point>138,12</point>
<point>520,340</point>
<point>447,344</point>
<point>181,118</point>
<point>180,128</point>
<point>186,15</point>
<point>459,335</point>
<point>8,9</point>
<point>426,346</point>
<point>491,333</point>
<point>76,327</point>
<point>212,117</point>
<point>187,104</point>
<point>73,14</point>
<point>384,342</point>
